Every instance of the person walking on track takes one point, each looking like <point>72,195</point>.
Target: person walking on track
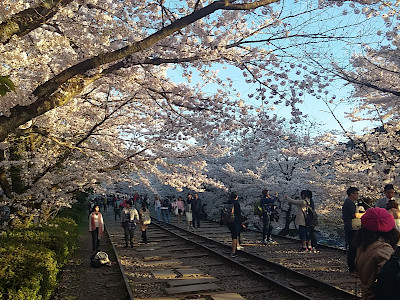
<point>96,227</point>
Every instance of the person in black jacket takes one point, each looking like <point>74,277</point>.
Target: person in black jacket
<point>197,206</point>
<point>348,213</point>
<point>389,279</point>
<point>235,226</point>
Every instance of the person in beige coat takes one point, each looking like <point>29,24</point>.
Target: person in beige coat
<point>144,221</point>
<point>300,222</point>
<point>375,242</point>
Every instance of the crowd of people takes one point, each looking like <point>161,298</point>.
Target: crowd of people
<point>372,233</point>
<point>125,212</point>
<point>192,207</point>
<point>372,238</point>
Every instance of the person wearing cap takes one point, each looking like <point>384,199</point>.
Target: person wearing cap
<point>376,241</point>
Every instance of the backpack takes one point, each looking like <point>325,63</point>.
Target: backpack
<point>228,213</point>
<point>257,208</point>
<point>166,203</point>
<point>310,216</point>
<point>388,278</point>
<point>99,259</point>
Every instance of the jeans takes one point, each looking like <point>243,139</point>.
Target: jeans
<point>196,217</point>
<point>304,233</point>
<point>117,213</point>
<point>267,226</point>
<point>95,239</point>
<point>129,235</point>
<point>165,216</point>
<point>158,213</point>
<point>144,236</point>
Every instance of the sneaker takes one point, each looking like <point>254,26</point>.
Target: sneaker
<point>188,228</point>
<point>270,242</point>
<point>240,247</point>
<point>305,250</point>
<point>233,255</point>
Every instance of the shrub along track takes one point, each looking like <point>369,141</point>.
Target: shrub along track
<point>180,264</point>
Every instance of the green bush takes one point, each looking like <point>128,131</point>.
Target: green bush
<point>27,272</point>
<point>30,258</point>
<point>59,235</point>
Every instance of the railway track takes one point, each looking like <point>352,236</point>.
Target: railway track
<point>329,264</point>
<point>188,264</point>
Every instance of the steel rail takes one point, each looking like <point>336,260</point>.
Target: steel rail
<point>277,267</point>
<point>121,268</point>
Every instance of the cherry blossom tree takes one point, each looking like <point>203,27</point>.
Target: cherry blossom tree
<point>95,102</point>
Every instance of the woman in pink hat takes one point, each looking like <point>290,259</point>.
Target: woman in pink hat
<point>375,242</point>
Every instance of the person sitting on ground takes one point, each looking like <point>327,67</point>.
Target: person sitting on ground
<point>375,242</point>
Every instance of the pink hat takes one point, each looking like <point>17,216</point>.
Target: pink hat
<point>377,219</point>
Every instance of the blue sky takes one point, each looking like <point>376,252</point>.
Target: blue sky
<point>349,24</point>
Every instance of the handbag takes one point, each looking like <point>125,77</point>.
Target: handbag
<point>355,224</point>
<point>146,218</point>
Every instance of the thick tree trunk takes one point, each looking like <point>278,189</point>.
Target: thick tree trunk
<point>289,218</point>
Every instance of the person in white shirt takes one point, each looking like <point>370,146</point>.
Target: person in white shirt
<point>129,219</point>
<point>157,207</point>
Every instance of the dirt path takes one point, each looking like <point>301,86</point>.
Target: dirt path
<point>80,281</point>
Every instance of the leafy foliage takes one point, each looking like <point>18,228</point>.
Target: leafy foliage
<point>6,85</point>
<point>31,258</point>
